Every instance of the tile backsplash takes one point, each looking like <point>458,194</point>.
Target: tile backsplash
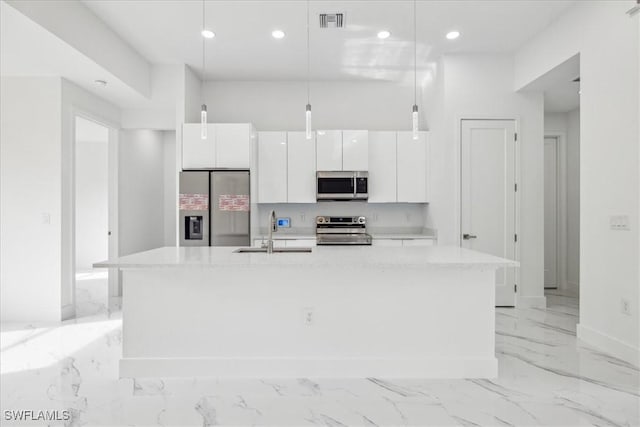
<point>381,217</point>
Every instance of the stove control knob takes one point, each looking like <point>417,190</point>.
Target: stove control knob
<point>320,220</point>
<point>361,220</point>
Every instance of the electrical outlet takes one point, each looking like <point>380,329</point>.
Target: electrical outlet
<point>619,222</point>
<point>407,215</point>
<point>303,216</point>
<point>375,217</point>
<point>625,307</point>
<point>308,316</point>
<point>46,218</point>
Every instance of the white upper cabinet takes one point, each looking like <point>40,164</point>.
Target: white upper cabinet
<point>382,167</point>
<point>412,160</point>
<point>228,145</point>
<point>198,153</point>
<point>233,145</point>
<point>355,150</point>
<point>272,167</point>
<point>301,155</point>
<point>329,150</point>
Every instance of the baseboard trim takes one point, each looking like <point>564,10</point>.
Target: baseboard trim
<point>609,344</point>
<point>308,368</point>
<point>531,302</point>
<point>68,312</point>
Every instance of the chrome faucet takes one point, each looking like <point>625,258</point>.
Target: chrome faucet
<point>273,226</point>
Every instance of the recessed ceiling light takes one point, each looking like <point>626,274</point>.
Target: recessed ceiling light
<point>208,34</point>
<point>277,34</point>
<point>452,35</point>
<point>101,83</point>
<point>383,34</point>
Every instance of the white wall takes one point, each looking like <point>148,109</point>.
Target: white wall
<point>141,193</point>
<point>480,86</point>
<point>170,193</point>
<point>569,125</point>
<point>335,105</point>
<point>573,201</point>
<point>30,170</point>
<point>92,193</point>
<point>607,40</point>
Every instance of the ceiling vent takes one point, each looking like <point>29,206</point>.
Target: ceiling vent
<point>331,20</point>
<point>576,80</point>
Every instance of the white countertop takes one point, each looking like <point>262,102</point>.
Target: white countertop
<point>324,256</point>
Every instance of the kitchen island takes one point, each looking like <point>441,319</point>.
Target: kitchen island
<point>401,312</point>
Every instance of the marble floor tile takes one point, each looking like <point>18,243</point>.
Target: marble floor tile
<point>546,378</point>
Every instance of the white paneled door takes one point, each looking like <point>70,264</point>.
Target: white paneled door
<point>488,202</point>
<point>550,212</point>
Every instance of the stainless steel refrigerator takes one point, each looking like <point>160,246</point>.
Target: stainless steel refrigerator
<point>214,208</point>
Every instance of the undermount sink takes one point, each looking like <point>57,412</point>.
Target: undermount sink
<point>275,250</point>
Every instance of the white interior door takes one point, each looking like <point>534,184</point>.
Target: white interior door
<point>551,212</point>
<point>488,196</point>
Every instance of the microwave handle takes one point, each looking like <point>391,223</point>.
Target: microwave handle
<point>355,186</point>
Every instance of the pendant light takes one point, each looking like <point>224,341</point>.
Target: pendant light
<point>414,110</point>
<point>203,110</point>
<point>308,107</point>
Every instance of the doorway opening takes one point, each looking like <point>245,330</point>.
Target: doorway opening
<point>562,179</point>
<point>92,215</point>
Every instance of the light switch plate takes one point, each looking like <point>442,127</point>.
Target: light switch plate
<point>619,222</point>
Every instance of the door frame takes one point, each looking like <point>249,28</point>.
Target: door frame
<point>561,203</point>
<point>113,198</point>
<point>458,180</point>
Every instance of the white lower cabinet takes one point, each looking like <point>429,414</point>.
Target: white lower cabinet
<point>300,243</point>
<point>418,242</point>
<point>387,242</point>
<point>403,242</point>
<point>286,243</point>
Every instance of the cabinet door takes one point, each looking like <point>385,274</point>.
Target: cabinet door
<point>198,153</point>
<point>301,243</point>
<point>301,164</point>
<point>272,167</point>
<point>387,242</point>
<point>382,167</point>
<point>355,150</point>
<point>412,167</point>
<point>233,145</point>
<point>329,150</point>
<point>417,242</point>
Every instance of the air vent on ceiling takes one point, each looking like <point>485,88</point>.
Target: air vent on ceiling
<point>331,20</point>
<point>576,80</point>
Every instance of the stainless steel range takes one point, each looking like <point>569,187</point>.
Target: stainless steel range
<point>342,230</point>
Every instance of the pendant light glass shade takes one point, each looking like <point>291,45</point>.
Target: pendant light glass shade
<point>203,122</point>
<point>414,121</point>
<point>308,121</point>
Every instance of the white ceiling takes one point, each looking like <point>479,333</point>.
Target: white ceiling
<point>168,32</point>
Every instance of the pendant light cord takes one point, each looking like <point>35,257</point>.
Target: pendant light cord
<point>203,42</point>
<point>415,57</point>
<point>308,58</point>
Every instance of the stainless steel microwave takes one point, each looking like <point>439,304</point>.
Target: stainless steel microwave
<point>342,185</point>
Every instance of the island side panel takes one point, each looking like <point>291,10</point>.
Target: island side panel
<point>252,322</point>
